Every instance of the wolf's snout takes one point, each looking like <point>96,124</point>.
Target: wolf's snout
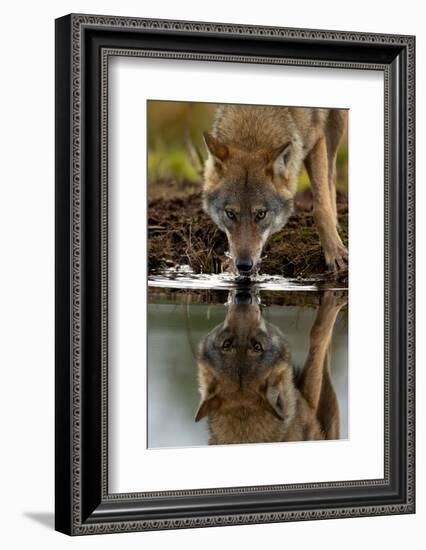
<point>243,298</point>
<point>244,265</point>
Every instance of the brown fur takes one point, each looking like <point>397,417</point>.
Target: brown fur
<point>252,396</point>
<point>255,157</point>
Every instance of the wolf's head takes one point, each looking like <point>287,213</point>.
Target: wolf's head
<point>243,365</point>
<point>249,195</point>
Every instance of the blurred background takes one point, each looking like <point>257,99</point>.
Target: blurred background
<point>171,123</point>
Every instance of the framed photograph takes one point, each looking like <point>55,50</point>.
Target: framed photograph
<point>234,274</point>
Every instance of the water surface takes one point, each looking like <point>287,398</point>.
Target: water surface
<point>182,319</point>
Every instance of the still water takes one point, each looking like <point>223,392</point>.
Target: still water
<point>247,349</point>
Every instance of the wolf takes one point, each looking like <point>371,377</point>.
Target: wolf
<point>249,390</point>
<point>255,154</point>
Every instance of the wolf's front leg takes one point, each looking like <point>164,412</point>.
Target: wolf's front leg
<point>311,382</point>
<point>335,252</point>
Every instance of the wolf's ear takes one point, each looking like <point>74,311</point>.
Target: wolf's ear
<point>215,147</point>
<point>273,395</point>
<point>280,158</point>
<point>207,406</point>
<point>209,403</point>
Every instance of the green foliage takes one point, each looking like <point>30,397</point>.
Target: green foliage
<point>170,164</point>
<point>342,156</point>
<point>304,182</point>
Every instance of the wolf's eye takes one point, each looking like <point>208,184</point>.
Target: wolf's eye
<point>231,214</point>
<point>227,344</point>
<point>257,346</point>
<point>261,215</point>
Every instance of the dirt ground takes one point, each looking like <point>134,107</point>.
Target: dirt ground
<point>180,232</point>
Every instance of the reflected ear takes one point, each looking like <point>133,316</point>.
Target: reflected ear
<point>273,395</point>
<point>209,403</point>
<point>207,406</point>
<point>276,402</point>
<point>280,158</point>
<point>215,147</point>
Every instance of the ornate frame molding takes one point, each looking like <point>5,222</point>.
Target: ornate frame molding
<point>72,46</point>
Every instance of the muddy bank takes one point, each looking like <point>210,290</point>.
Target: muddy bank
<point>180,232</point>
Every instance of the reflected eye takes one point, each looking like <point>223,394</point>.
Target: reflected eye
<point>257,346</point>
<point>227,344</point>
<point>261,215</point>
<point>231,214</point>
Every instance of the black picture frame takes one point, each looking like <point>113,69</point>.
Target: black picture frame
<point>83,44</point>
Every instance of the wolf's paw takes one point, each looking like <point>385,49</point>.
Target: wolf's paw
<point>336,258</point>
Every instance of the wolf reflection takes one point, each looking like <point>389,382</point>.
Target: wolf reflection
<point>250,392</point>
